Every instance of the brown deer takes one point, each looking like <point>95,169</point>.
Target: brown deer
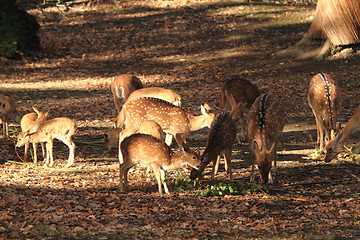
<point>29,124</point>
<point>334,146</point>
<point>122,86</point>
<point>147,150</point>
<point>221,138</point>
<point>172,119</point>
<point>59,128</point>
<point>7,111</point>
<point>149,127</point>
<point>265,123</point>
<point>237,96</point>
<point>325,101</point>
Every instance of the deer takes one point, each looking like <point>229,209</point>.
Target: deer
<point>265,123</point>
<point>237,95</point>
<point>334,146</point>
<point>149,127</point>
<point>7,111</point>
<point>29,124</point>
<point>61,128</point>
<point>122,86</point>
<point>325,101</point>
<point>221,138</point>
<point>172,119</point>
<point>147,150</point>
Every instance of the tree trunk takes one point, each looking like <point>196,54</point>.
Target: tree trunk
<point>337,20</point>
<point>336,26</point>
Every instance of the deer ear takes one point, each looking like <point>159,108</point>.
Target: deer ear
<point>203,110</point>
<point>47,113</point>
<point>338,136</point>
<point>272,149</point>
<point>36,110</point>
<point>256,147</point>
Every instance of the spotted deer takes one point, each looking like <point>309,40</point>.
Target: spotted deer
<point>147,150</point>
<point>237,96</point>
<point>122,86</point>
<point>29,124</point>
<point>265,123</point>
<point>60,128</point>
<point>333,148</point>
<point>172,119</point>
<point>7,111</point>
<point>221,138</point>
<point>149,127</point>
<point>325,101</point>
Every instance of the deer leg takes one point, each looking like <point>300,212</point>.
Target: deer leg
<point>168,139</point>
<point>49,146</point>
<point>253,158</point>
<point>227,157</point>
<point>162,172</point>
<point>26,151</point>
<point>47,155</point>
<point>156,169</point>
<point>242,127</point>
<point>216,164</point>
<point>35,152</point>
<point>43,149</point>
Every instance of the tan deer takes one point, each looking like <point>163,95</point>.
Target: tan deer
<point>29,124</point>
<point>221,138</point>
<point>265,123</point>
<point>60,128</point>
<point>122,86</point>
<point>147,150</point>
<point>157,92</point>
<point>7,111</point>
<point>172,119</point>
<point>325,101</point>
<point>149,127</point>
<point>334,146</point>
<point>237,96</point>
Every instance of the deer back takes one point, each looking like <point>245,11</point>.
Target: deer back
<point>157,92</point>
<point>30,122</point>
<point>170,117</point>
<point>324,99</point>
<point>55,128</point>
<point>145,149</point>
<point>238,92</point>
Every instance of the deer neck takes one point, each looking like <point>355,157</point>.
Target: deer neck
<point>176,162</point>
<point>197,122</point>
<point>352,126</point>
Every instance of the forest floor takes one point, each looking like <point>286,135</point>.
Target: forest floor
<point>191,47</point>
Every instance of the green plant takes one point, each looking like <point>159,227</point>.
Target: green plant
<point>353,153</point>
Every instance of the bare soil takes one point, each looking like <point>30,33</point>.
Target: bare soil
<point>192,47</point>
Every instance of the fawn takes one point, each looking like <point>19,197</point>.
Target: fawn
<point>122,86</point>
<point>325,101</point>
<point>147,150</point>
<point>149,127</point>
<point>29,124</point>
<point>334,146</point>
<point>237,96</point>
<point>265,123</point>
<point>221,138</point>
<point>7,111</point>
<point>171,118</point>
<point>60,128</point>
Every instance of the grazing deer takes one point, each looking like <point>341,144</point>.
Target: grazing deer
<point>157,92</point>
<point>265,123</point>
<point>171,118</point>
<point>149,127</point>
<point>221,138</point>
<point>122,86</point>
<point>7,111</point>
<point>29,124</point>
<point>147,150</point>
<point>237,96</point>
<point>59,128</point>
<point>334,146</point>
<point>325,101</point>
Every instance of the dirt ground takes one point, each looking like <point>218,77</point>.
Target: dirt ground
<point>191,47</point>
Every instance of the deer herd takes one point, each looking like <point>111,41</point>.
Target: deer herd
<point>149,117</point>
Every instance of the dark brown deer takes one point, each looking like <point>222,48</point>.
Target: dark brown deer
<point>221,138</point>
<point>265,123</point>
<point>237,96</point>
<point>146,151</point>
<point>325,101</point>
